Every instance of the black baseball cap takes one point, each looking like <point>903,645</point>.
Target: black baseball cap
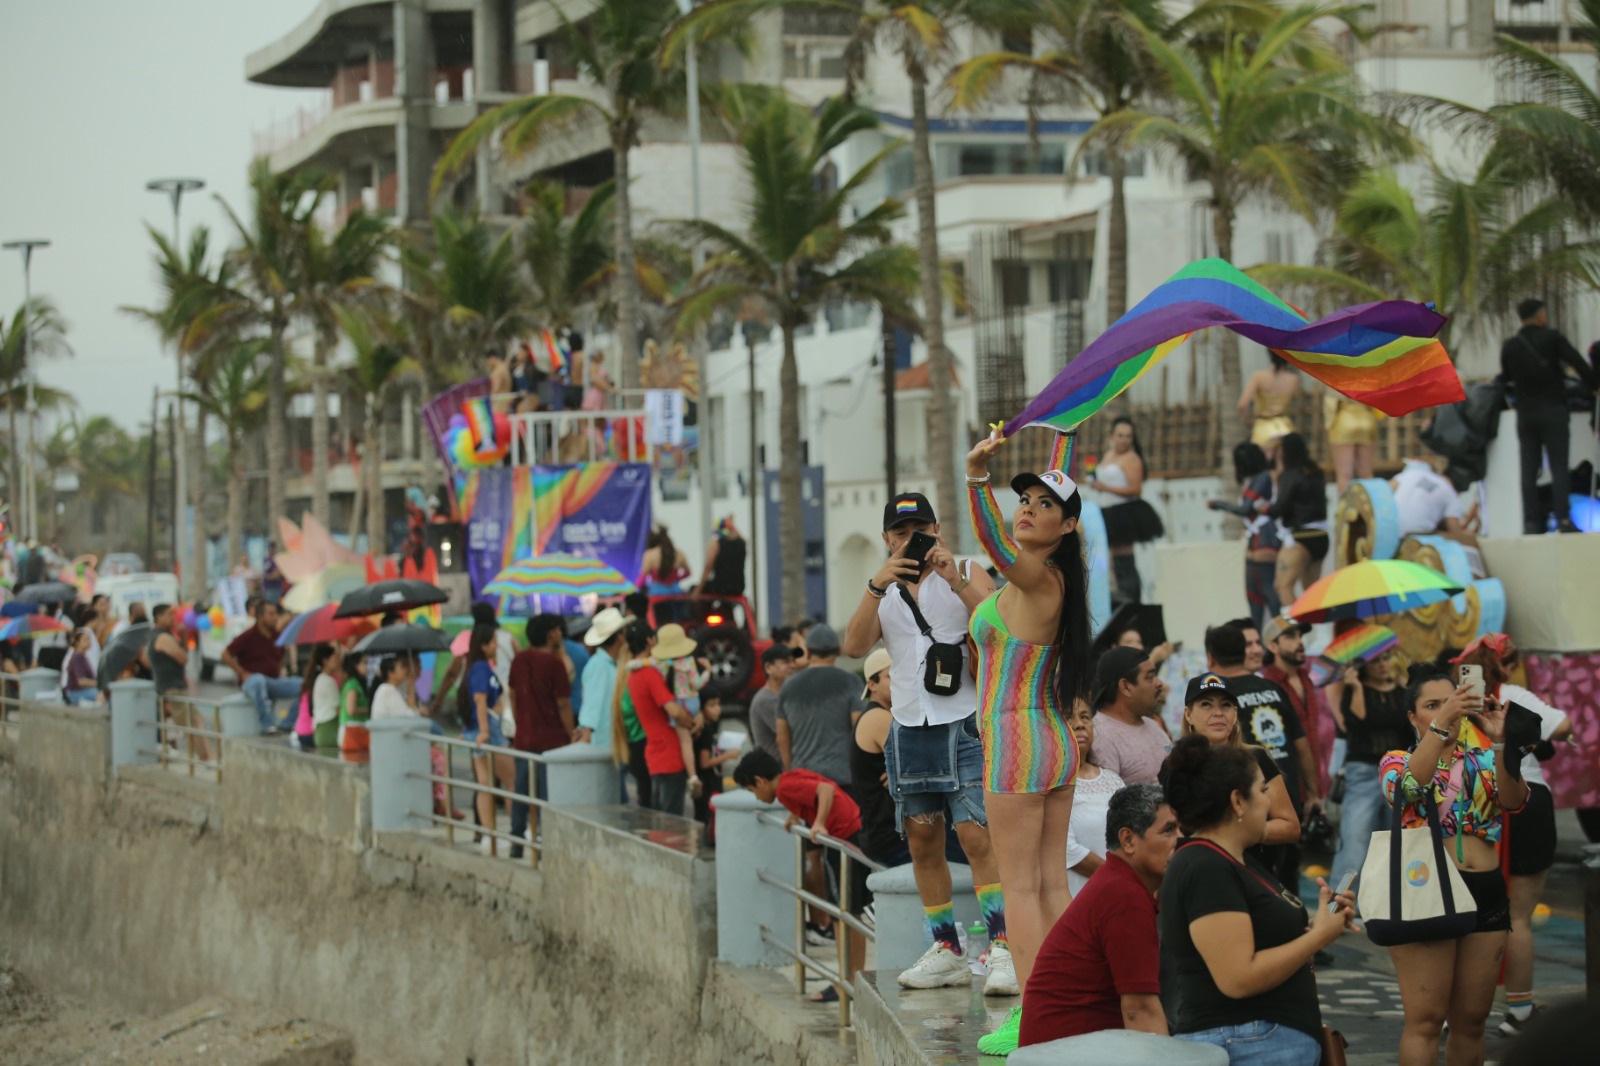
<point>1209,684</point>
<point>1117,664</point>
<point>907,507</point>
<point>778,653</point>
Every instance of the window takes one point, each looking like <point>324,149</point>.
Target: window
<point>1071,263</point>
<point>1014,276</point>
<point>979,158</point>
<point>1280,246</point>
<point>898,172</point>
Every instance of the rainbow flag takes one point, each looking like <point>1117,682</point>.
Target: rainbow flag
<point>1380,354</point>
<point>558,361</point>
<point>480,422</point>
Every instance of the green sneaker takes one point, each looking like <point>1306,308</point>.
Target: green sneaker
<point>1003,1041</point>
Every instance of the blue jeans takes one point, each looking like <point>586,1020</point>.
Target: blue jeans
<point>936,770</point>
<point>263,691</point>
<point>519,811</point>
<point>1260,1044</point>
<point>1359,816</point>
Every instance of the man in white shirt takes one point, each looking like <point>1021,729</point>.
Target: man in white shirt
<point>1428,503</point>
<point>933,755</point>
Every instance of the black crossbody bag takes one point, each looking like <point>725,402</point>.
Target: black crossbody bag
<point>941,671</point>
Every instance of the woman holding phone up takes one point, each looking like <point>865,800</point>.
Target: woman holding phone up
<point>1459,763</point>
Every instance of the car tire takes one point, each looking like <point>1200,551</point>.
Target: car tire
<point>732,661</point>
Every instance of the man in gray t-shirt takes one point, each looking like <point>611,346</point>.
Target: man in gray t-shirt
<point>817,711</point>
<point>778,664</point>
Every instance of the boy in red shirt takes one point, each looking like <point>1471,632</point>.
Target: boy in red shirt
<point>667,726</point>
<point>819,802</point>
<point>1100,965</point>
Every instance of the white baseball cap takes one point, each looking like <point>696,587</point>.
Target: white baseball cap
<point>1060,485</point>
<point>876,663</point>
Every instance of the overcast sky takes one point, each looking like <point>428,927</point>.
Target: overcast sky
<point>99,96</point>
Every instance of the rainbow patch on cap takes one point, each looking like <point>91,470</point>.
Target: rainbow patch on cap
<point>905,507</point>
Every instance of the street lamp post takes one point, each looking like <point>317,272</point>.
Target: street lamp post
<point>30,518</point>
<point>174,189</point>
<point>692,79</point>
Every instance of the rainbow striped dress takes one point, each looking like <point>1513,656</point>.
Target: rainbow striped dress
<point>1027,746</point>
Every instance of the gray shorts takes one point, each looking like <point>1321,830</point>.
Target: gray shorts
<point>936,771</point>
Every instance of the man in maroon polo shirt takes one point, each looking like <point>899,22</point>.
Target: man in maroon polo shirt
<point>1100,966</point>
<point>257,662</point>
<point>541,703</point>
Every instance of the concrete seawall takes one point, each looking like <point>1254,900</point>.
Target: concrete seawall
<point>153,890</point>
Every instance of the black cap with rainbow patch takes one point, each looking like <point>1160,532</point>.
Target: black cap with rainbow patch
<point>1209,685</point>
<point>907,507</point>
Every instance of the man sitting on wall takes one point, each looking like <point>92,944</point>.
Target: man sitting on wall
<point>257,661</point>
<point>1100,965</point>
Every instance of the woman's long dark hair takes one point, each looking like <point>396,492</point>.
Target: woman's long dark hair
<point>1072,633</point>
<point>669,553</point>
<point>465,711</point>
<point>1296,455</point>
<point>1248,461</point>
<point>1124,419</point>
<point>318,659</point>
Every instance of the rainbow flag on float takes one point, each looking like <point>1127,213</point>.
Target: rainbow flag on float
<point>1381,354</point>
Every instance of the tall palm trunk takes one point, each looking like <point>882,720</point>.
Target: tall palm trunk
<point>372,474</point>
<point>236,490</point>
<point>941,420</point>
<point>627,274</point>
<point>1117,239</point>
<point>198,582</point>
<point>356,422</point>
<point>277,430</point>
<point>1222,218</point>
<point>791,517</point>
<point>319,432</point>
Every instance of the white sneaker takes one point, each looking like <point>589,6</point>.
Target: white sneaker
<point>1002,979</point>
<point>818,938</point>
<point>484,844</point>
<point>939,967</point>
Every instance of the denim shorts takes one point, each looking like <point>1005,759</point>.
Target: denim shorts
<point>1261,1044</point>
<point>921,779</point>
<point>497,736</point>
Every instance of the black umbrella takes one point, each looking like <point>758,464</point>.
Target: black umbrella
<point>121,650</point>
<point>47,592</point>
<point>401,594</point>
<point>403,638</point>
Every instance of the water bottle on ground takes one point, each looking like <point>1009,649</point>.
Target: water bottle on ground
<point>978,949</point>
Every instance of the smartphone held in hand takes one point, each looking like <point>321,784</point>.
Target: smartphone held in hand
<point>917,548</point>
<point>1471,675</point>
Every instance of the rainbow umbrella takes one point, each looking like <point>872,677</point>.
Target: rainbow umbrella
<point>30,625</point>
<point>321,627</point>
<point>1371,589</point>
<point>559,575</point>
<point>1366,641</point>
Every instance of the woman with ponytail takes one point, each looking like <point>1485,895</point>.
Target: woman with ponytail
<point>1033,664</point>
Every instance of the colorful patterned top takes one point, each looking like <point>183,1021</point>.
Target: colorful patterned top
<point>1464,785</point>
<point>1026,743</point>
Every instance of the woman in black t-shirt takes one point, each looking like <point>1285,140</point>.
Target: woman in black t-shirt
<point>1373,709</point>
<point>1236,947</point>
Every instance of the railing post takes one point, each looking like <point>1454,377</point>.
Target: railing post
<point>902,934</point>
<point>580,775</point>
<point>238,716</point>
<point>133,711</point>
<point>399,759</point>
<point>746,848</point>
<point>37,684</point>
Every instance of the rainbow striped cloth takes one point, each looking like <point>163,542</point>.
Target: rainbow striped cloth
<point>1380,354</point>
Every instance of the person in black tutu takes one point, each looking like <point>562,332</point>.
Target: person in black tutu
<point>1117,482</point>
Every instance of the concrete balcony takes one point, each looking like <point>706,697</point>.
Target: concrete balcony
<point>308,55</point>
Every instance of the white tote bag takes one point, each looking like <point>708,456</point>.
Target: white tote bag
<point>1410,890</point>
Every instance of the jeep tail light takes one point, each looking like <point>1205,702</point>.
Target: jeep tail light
<point>714,619</point>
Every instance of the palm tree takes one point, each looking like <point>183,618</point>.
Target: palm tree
<point>339,267</point>
<point>615,47</point>
<point>235,394</point>
<point>1463,249</point>
<point>1095,60</point>
<point>36,330</point>
<point>270,260</point>
<point>1254,110</point>
<point>568,259</point>
<point>798,252</point>
<point>378,342</point>
<point>110,464</point>
<point>467,294</point>
<point>58,454</point>
<point>192,289</point>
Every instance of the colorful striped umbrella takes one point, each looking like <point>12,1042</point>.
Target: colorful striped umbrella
<point>559,575</point>
<point>1371,589</point>
<point>1366,641</point>
<point>31,625</point>
<point>321,627</point>
<point>1381,354</point>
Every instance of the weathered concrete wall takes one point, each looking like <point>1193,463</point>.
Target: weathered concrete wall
<point>153,890</point>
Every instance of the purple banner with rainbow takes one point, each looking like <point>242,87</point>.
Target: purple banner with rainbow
<point>600,510</point>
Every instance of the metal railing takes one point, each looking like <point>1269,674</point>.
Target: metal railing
<point>845,924</point>
<point>495,835</point>
<point>553,437</point>
<point>178,741</point>
<point>10,695</point>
